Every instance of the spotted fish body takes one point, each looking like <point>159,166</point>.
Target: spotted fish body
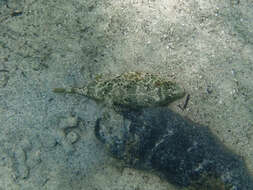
<point>130,89</point>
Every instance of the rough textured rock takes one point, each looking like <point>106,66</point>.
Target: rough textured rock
<point>186,154</point>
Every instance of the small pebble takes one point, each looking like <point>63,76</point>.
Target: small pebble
<point>68,122</point>
<point>49,141</point>
<point>4,77</point>
<point>34,159</point>
<point>20,168</point>
<point>72,137</point>
<point>209,89</point>
<point>20,155</point>
<point>4,159</point>
<point>72,121</point>
<point>26,145</point>
<point>22,171</point>
<point>68,148</point>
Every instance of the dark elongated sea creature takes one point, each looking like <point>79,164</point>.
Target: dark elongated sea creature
<point>185,153</point>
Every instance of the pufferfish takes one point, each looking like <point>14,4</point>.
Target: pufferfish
<point>130,89</point>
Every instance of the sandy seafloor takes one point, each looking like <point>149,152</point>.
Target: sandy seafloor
<point>47,140</point>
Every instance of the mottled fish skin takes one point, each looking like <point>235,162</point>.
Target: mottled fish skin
<point>131,89</point>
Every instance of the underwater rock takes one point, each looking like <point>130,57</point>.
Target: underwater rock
<point>130,89</point>
<point>72,137</point>
<point>185,153</point>
<point>19,164</point>
<point>4,77</point>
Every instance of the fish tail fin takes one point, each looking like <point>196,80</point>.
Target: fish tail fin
<point>81,91</point>
<point>59,90</point>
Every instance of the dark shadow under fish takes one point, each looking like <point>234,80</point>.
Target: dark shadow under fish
<point>185,153</point>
